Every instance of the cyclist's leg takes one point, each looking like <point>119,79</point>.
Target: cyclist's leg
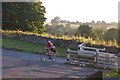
<point>54,54</point>
<point>49,53</point>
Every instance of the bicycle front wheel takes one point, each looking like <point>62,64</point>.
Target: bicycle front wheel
<point>54,57</point>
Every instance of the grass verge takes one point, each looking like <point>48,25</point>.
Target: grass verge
<point>112,74</point>
<point>18,45</point>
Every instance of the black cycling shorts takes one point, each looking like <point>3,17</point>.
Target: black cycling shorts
<point>53,50</point>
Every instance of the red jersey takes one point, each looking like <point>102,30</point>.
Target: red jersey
<point>49,45</point>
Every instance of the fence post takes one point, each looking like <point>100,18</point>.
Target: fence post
<point>119,63</point>
<point>96,56</point>
<point>68,55</point>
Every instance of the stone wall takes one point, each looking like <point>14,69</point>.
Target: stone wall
<point>42,40</point>
<point>58,42</point>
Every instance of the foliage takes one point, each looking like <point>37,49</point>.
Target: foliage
<point>55,21</point>
<point>97,33</point>
<point>114,74</point>
<point>58,30</point>
<point>85,30</point>
<point>111,34</point>
<point>25,16</point>
<point>94,30</point>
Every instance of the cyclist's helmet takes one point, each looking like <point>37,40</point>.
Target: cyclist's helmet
<point>49,41</point>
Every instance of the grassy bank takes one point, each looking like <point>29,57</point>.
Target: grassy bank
<point>13,44</point>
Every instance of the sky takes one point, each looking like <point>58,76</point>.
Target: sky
<point>82,10</point>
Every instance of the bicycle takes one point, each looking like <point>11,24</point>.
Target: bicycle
<point>48,55</point>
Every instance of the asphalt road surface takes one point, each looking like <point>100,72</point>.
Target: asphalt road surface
<point>27,65</point>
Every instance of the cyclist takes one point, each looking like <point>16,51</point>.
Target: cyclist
<point>51,48</point>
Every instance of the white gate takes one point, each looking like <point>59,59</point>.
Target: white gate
<point>95,56</point>
<point>107,60</point>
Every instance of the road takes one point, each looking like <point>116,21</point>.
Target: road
<point>27,65</point>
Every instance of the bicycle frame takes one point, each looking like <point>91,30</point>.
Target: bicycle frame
<point>47,53</point>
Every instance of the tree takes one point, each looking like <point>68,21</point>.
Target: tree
<point>98,33</point>
<point>57,30</point>
<point>84,30</point>
<point>55,21</point>
<point>111,34</point>
<point>26,16</point>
